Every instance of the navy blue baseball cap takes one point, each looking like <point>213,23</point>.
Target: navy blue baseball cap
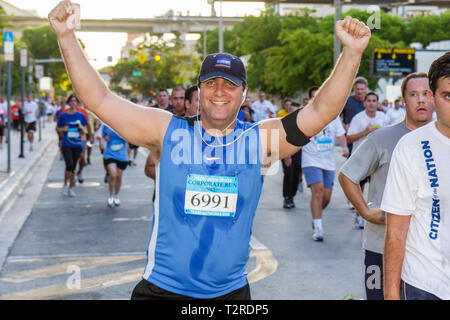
<point>223,65</point>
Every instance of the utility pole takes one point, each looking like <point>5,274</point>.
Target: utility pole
<point>23,64</point>
<point>220,29</point>
<point>8,45</point>
<point>337,17</point>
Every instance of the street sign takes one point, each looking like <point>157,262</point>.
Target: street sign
<point>46,84</point>
<point>137,74</point>
<point>393,62</point>
<point>23,58</point>
<point>39,71</point>
<point>8,45</point>
<point>48,60</point>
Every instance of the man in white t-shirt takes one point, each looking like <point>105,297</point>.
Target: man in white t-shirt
<point>263,108</point>
<point>366,121</point>
<point>372,159</point>
<point>361,125</point>
<point>417,203</point>
<point>31,111</point>
<point>318,167</point>
<point>394,115</point>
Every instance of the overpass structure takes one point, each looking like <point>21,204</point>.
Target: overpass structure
<point>169,23</point>
<point>160,25</point>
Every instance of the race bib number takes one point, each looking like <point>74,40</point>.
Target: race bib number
<point>214,196</point>
<point>324,144</point>
<point>116,145</point>
<point>73,133</point>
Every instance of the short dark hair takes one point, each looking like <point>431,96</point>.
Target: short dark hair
<point>163,89</point>
<point>70,98</point>
<point>189,92</point>
<point>371,93</point>
<point>361,80</point>
<point>178,88</point>
<point>311,90</point>
<point>440,68</point>
<point>410,76</point>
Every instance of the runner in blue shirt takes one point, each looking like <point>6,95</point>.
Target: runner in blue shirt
<point>115,159</point>
<point>71,124</point>
<point>209,167</point>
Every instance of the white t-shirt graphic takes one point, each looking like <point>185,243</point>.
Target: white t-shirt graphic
<point>319,152</point>
<point>418,184</point>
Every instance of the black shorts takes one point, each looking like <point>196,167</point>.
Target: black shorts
<point>71,157</point>
<point>122,165</point>
<point>30,126</point>
<point>132,146</point>
<point>146,290</point>
<point>15,124</point>
<point>373,275</point>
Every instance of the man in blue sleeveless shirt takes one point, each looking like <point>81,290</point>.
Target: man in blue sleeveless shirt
<point>209,167</point>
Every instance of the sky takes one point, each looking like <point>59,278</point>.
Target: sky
<point>101,45</point>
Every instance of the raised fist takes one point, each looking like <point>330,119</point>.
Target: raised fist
<point>353,34</point>
<point>64,17</point>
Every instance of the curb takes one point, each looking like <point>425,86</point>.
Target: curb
<point>17,176</point>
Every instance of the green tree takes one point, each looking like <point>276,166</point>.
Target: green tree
<point>427,29</point>
<point>302,60</point>
<point>42,44</point>
<point>174,67</point>
<point>290,53</point>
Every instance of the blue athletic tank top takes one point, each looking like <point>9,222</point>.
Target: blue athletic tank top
<point>206,198</point>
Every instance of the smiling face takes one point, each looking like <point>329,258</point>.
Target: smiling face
<point>417,102</point>
<point>220,100</point>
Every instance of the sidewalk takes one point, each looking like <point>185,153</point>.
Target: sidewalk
<point>12,181</point>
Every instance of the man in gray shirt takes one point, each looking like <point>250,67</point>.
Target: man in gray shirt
<point>372,159</point>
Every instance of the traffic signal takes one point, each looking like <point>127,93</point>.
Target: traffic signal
<point>112,73</point>
<point>157,57</point>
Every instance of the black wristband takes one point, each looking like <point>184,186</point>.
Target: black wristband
<point>293,134</point>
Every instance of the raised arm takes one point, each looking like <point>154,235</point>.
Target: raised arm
<point>138,125</point>
<point>332,95</point>
<point>394,252</point>
<point>330,99</point>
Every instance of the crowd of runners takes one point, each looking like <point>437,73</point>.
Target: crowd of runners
<point>218,145</point>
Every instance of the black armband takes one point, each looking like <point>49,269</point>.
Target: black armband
<point>293,134</point>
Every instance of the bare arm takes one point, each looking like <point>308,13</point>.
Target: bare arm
<point>127,119</point>
<point>332,95</point>
<point>353,137</point>
<point>355,196</point>
<point>343,143</point>
<point>149,168</point>
<point>394,252</point>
